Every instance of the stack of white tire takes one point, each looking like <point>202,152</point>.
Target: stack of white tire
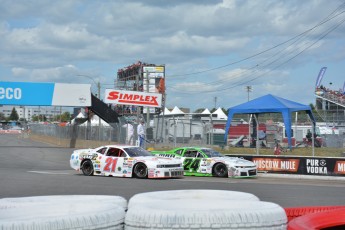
<point>202,209</point>
<point>175,209</point>
<point>62,212</point>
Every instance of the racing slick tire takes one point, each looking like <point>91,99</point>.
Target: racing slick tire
<point>87,168</point>
<point>62,212</point>
<point>206,214</point>
<point>190,194</point>
<point>220,170</point>
<point>140,171</point>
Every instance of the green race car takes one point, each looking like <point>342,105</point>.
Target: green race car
<point>200,161</point>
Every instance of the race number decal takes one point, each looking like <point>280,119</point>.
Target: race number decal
<point>191,164</point>
<point>110,164</point>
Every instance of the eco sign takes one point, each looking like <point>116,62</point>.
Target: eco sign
<point>10,93</point>
<point>44,94</point>
<point>133,98</point>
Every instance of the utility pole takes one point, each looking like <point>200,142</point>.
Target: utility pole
<point>137,78</point>
<point>249,89</point>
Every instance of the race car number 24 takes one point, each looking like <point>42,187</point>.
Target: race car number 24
<point>190,163</point>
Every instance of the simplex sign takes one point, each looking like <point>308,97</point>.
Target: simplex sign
<point>45,94</point>
<point>132,98</point>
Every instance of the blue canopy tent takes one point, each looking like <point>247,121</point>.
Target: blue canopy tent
<point>270,104</point>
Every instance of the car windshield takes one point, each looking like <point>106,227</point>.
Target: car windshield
<point>137,152</point>
<point>212,153</point>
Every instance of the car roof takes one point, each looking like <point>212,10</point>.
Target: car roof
<point>193,147</point>
<point>117,146</point>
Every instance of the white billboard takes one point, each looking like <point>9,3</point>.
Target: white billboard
<point>45,94</point>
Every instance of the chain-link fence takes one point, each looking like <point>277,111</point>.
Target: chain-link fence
<point>165,131</point>
<point>334,140</point>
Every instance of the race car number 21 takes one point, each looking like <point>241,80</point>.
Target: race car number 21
<point>110,164</point>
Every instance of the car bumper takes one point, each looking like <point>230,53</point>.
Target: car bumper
<point>165,172</point>
<point>243,172</point>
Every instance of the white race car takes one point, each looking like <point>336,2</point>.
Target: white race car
<point>124,161</point>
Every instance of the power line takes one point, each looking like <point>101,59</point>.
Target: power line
<point>296,38</point>
<point>288,60</point>
<point>328,18</point>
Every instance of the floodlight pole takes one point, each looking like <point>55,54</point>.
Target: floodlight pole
<point>147,108</point>
<point>249,89</point>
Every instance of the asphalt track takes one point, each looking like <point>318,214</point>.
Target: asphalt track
<point>29,168</point>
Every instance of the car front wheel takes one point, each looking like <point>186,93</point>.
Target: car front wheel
<point>220,170</point>
<point>140,171</point>
<point>87,168</point>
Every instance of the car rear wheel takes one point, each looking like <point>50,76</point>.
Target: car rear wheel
<point>87,168</point>
<point>220,170</point>
<point>140,171</point>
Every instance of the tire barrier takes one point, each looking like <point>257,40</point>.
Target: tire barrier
<point>175,209</point>
<point>295,212</point>
<point>192,194</point>
<point>332,219</point>
<point>62,212</point>
<point>206,209</point>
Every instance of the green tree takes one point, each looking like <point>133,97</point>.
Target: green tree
<point>225,111</point>
<point>66,116</point>
<point>34,118</point>
<point>200,110</point>
<point>14,115</point>
<point>39,118</point>
<point>2,117</point>
<point>42,117</point>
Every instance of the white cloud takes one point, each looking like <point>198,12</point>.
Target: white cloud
<point>54,40</point>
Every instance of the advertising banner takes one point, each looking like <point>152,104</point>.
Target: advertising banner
<point>320,76</point>
<point>125,97</point>
<point>159,69</point>
<point>153,80</point>
<point>298,165</point>
<point>45,94</point>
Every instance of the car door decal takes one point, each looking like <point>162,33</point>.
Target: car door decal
<point>191,164</point>
<point>110,164</point>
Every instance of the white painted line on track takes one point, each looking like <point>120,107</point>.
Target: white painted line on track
<point>204,181</point>
<point>46,172</point>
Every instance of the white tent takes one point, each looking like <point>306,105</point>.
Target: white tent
<point>206,111</point>
<point>220,114</point>
<point>176,111</point>
<point>80,115</point>
<point>166,111</point>
<point>95,122</point>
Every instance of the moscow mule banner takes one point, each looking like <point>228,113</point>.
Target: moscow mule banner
<point>321,166</point>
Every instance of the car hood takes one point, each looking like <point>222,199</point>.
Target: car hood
<point>82,151</point>
<point>235,160</point>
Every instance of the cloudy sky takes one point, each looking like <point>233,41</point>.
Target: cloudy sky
<point>212,49</point>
